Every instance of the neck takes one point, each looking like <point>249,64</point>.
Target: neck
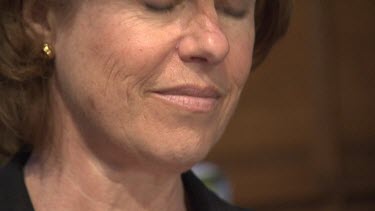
<point>77,180</point>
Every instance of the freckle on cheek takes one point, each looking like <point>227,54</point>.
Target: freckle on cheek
<point>91,103</point>
<point>96,48</point>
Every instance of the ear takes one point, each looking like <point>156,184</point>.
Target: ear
<point>40,20</point>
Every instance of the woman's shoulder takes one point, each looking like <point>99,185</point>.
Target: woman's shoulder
<point>200,198</point>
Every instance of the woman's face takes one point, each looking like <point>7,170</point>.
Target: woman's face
<point>154,79</point>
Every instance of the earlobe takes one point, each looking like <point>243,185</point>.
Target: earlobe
<point>39,20</point>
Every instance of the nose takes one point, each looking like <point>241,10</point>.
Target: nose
<point>203,41</point>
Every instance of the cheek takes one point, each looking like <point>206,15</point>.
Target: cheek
<point>239,60</point>
<point>122,52</point>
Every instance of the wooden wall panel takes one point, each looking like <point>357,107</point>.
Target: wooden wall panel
<point>303,136</point>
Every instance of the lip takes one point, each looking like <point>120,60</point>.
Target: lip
<point>190,97</point>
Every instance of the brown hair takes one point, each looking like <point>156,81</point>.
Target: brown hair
<point>24,106</point>
<point>271,23</point>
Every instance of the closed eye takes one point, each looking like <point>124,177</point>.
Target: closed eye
<point>237,9</point>
<point>159,8</point>
<point>238,14</point>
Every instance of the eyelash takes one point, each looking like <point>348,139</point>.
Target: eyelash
<point>160,9</point>
<point>234,14</point>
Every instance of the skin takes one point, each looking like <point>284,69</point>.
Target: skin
<point>119,146</point>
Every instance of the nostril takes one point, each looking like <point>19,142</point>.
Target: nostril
<point>198,59</point>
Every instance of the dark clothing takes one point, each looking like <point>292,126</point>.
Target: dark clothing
<point>14,195</point>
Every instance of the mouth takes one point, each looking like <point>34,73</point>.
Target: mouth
<point>190,98</point>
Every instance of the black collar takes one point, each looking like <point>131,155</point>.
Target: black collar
<point>14,195</point>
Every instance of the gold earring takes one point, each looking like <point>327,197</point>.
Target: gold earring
<point>48,51</point>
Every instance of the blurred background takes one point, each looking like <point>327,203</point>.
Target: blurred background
<point>303,137</point>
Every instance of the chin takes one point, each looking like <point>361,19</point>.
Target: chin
<point>181,155</point>
<point>180,162</point>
